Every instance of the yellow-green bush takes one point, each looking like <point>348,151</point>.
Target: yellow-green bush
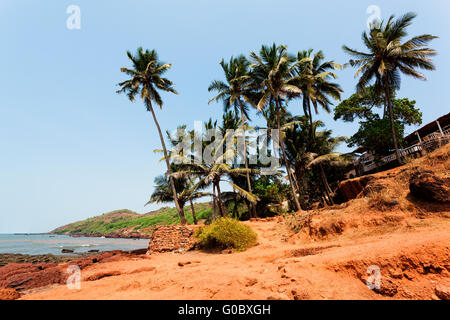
<point>226,233</point>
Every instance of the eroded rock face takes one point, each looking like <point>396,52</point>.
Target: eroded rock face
<point>28,276</point>
<point>425,185</point>
<point>442,292</point>
<point>351,189</point>
<point>24,276</point>
<point>9,294</point>
<point>171,238</point>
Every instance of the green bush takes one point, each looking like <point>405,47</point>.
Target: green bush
<point>226,233</point>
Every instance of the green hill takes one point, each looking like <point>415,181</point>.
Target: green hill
<point>123,222</point>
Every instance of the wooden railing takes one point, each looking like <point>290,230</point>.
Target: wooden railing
<point>431,141</point>
<point>370,167</point>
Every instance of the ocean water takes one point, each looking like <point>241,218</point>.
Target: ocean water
<point>34,244</point>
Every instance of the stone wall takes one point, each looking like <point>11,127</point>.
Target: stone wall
<point>171,238</point>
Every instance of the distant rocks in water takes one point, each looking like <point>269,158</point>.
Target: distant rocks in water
<point>93,251</point>
<point>67,251</point>
<point>425,185</point>
<point>36,259</point>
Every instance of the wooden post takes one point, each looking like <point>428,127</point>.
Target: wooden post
<point>440,129</point>
<point>442,134</point>
<point>422,149</point>
<point>418,136</point>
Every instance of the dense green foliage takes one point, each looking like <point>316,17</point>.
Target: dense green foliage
<point>375,132</point>
<point>376,135</point>
<point>226,233</point>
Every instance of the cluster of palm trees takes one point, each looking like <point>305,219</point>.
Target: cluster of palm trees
<point>268,80</point>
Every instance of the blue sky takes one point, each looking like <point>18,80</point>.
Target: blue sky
<point>72,148</point>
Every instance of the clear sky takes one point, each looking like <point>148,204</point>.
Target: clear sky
<point>71,148</point>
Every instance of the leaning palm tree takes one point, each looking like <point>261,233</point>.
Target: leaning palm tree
<point>213,171</point>
<point>389,57</point>
<point>323,154</point>
<point>146,78</point>
<point>314,80</point>
<point>273,74</point>
<point>232,93</point>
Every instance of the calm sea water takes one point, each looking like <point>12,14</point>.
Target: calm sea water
<point>44,244</point>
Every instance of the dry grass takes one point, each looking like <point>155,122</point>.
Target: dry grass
<point>299,222</point>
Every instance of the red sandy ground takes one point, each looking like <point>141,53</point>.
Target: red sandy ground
<point>276,269</point>
<point>328,259</point>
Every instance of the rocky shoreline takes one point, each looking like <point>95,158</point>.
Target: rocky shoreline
<point>6,258</point>
<point>20,273</point>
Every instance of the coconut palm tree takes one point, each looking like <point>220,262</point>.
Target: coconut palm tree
<point>305,152</point>
<point>146,79</point>
<point>235,93</point>
<point>313,79</point>
<point>388,57</point>
<point>273,74</point>
<point>186,191</point>
<point>323,154</point>
<point>214,171</point>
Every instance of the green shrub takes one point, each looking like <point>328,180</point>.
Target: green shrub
<point>226,233</point>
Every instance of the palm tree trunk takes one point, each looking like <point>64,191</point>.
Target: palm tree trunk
<point>222,213</point>
<point>249,184</point>
<point>300,176</point>
<point>327,198</point>
<point>311,128</point>
<point>325,180</point>
<point>169,171</point>
<point>194,216</point>
<point>249,208</point>
<point>391,119</point>
<point>214,201</point>
<point>329,193</point>
<point>288,169</point>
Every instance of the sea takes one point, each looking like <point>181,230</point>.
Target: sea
<point>39,244</point>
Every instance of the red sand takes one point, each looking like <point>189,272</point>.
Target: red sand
<point>274,270</point>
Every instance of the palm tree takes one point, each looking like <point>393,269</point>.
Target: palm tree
<point>389,57</point>
<point>213,172</point>
<point>273,73</point>
<point>305,151</point>
<point>146,78</point>
<point>313,80</point>
<point>298,144</point>
<point>236,88</point>
<point>186,191</point>
<point>323,154</point>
